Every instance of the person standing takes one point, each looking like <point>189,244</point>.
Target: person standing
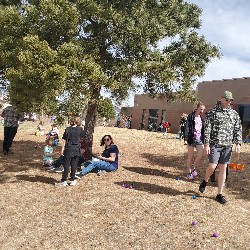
<point>71,150</point>
<point>183,122</point>
<point>11,118</point>
<point>194,136</point>
<point>222,129</point>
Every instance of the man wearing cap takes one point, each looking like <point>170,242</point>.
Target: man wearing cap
<point>222,129</point>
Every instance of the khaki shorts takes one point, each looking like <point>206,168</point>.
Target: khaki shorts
<point>220,154</point>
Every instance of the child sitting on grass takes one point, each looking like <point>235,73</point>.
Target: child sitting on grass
<point>48,154</point>
<point>40,129</point>
<point>54,134</point>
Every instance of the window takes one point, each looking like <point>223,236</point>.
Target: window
<point>152,119</point>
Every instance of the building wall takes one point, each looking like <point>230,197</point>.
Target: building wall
<point>174,110</point>
<point>208,92</point>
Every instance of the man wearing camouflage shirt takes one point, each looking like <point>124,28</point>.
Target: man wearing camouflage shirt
<point>11,118</point>
<point>222,129</point>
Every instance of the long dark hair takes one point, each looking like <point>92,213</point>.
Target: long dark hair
<point>103,142</point>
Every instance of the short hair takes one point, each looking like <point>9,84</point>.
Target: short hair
<point>75,121</point>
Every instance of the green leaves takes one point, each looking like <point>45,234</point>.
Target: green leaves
<point>82,46</point>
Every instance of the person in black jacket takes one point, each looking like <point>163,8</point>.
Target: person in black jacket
<point>71,149</point>
<point>194,136</point>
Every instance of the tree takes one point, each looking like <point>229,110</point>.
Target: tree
<point>86,46</point>
<point>106,108</point>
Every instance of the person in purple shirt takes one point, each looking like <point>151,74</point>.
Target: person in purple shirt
<point>107,161</point>
<point>194,136</point>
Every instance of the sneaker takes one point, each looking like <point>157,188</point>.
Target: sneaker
<point>51,168</point>
<point>190,176</point>
<point>78,176</point>
<point>194,172</point>
<point>72,183</point>
<point>61,184</point>
<point>101,172</point>
<point>221,199</point>
<point>202,186</point>
<point>59,169</point>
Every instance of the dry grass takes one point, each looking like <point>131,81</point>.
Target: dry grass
<point>99,213</point>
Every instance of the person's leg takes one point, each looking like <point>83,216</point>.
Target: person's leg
<point>98,165</point>
<point>190,158</point>
<point>74,161</point>
<point>209,171</point>
<point>200,151</point>
<point>221,177</point>
<point>67,163</point>
<point>6,138</point>
<point>59,161</point>
<point>11,135</point>
<point>213,161</point>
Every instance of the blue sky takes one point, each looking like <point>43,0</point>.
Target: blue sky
<point>225,23</point>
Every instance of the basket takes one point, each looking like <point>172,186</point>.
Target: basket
<point>237,166</point>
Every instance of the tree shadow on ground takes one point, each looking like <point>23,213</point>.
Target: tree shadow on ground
<point>26,155</point>
<point>178,162</point>
<point>156,189</point>
<point>36,178</point>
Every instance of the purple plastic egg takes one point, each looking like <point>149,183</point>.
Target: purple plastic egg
<point>194,223</point>
<point>215,234</point>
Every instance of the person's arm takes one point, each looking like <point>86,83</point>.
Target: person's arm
<point>237,134</point>
<point>110,159</point>
<point>63,147</point>
<point>207,133</point>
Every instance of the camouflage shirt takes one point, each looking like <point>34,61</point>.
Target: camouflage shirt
<point>222,126</point>
<point>10,116</point>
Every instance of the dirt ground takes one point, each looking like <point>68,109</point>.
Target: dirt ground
<point>99,213</point>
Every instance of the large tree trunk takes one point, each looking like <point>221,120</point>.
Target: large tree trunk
<point>90,119</point>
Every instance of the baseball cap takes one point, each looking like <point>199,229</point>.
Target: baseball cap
<point>228,95</point>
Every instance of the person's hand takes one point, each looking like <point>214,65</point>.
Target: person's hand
<point>206,149</point>
<point>237,148</point>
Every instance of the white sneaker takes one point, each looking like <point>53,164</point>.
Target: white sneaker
<point>61,184</point>
<point>59,169</point>
<point>72,183</point>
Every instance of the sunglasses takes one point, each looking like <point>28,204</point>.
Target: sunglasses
<point>106,139</point>
<point>228,100</point>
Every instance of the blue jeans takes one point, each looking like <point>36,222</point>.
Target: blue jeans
<point>98,165</point>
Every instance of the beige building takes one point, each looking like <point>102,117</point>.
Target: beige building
<point>147,110</point>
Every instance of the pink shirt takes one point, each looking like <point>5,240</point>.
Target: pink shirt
<point>198,127</point>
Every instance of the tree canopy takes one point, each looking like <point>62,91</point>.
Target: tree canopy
<point>82,47</point>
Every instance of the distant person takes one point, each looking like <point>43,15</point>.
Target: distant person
<point>118,120</point>
<point>40,129</point>
<point>71,149</point>
<point>11,122</point>
<point>183,122</point>
<point>194,136</point>
<point>54,134</point>
<point>52,118</point>
<point>48,154</point>
<point>222,129</point>
<point>107,161</point>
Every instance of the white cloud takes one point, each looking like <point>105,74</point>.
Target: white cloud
<point>226,68</point>
<point>225,24</point>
